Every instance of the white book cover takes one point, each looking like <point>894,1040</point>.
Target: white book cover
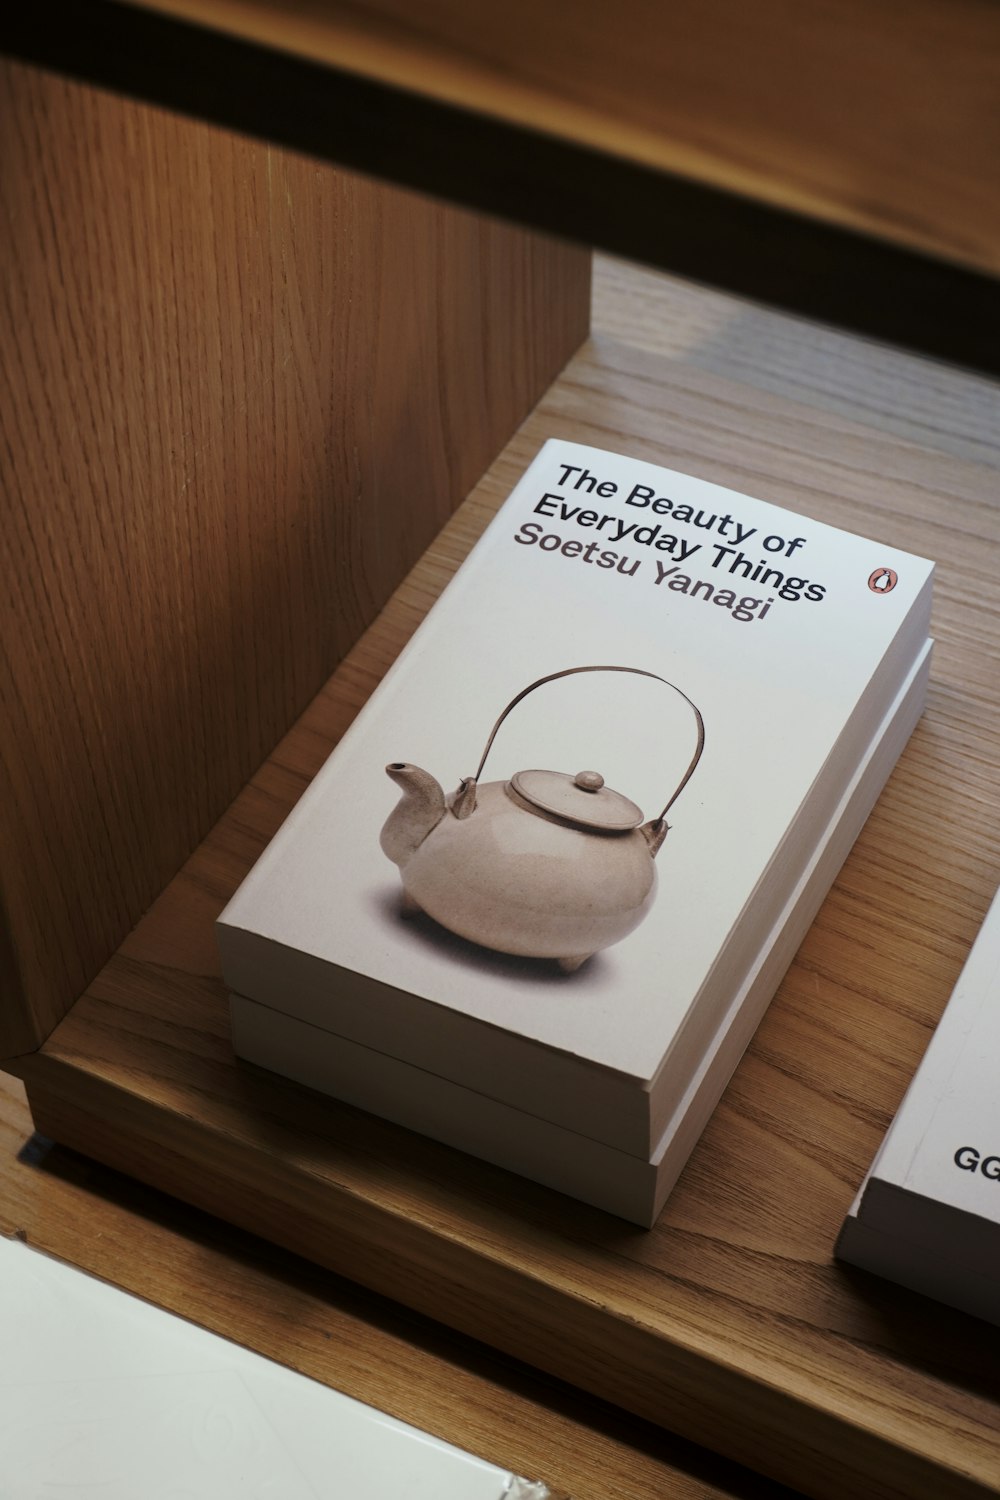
<point>931,1200</point>
<point>649,641</point>
<point>575,1164</point>
<point>103,1395</point>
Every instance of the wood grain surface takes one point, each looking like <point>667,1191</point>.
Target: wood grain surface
<point>239,394</point>
<point>729,1323</point>
<point>875,114</point>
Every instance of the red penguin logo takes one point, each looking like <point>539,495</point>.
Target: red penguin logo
<point>883,581</point>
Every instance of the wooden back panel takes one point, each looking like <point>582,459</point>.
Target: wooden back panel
<point>239,394</point>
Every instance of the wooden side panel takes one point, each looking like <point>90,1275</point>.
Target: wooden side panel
<point>239,394</point>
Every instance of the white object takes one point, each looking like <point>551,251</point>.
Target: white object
<point>104,1395</point>
<point>928,1213</point>
<point>793,638</point>
<point>626,1185</point>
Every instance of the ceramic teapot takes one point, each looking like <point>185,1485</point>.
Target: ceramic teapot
<point>545,865</point>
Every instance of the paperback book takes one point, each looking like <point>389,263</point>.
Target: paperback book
<point>928,1212</point>
<point>569,827</point>
<point>586,1169</point>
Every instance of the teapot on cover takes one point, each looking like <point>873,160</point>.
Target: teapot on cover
<point>546,865</point>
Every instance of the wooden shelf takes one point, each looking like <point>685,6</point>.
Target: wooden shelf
<point>729,1323</point>
<point>838,160</point>
<point>809,111</point>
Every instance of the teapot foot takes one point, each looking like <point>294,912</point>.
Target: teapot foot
<point>407,906</point>
<point>570,965</point>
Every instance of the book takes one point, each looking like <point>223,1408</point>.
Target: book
<point>928,1212</point>
<point>104,1394</point>
<point>629,1186</point>
<point>567,942</point>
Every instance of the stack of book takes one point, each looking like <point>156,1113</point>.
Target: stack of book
<point>928,1213</point>
<point>538,899</point>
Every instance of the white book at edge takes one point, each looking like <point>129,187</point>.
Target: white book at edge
<point>928,1212</point>
<point>104,1395</point>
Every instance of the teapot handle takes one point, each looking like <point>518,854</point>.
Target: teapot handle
<point>636,672</point>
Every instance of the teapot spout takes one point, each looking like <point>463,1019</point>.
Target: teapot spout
<point>420,809</point>
<point>654,832</point>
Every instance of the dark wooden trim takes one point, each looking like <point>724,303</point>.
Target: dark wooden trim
<point>719,239</point>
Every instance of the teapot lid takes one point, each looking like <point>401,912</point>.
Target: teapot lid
<point>581,799</point>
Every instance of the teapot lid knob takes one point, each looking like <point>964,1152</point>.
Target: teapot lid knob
<point>589,781</point>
